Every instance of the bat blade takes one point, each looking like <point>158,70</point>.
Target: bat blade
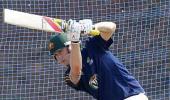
<point>31,21</point>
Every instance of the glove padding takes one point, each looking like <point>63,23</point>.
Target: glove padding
<point>73,30</point>
<point>86,26</point>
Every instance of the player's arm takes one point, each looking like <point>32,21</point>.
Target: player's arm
<point>106,29</point>
<point>75,63</point>
<point>75,56</point>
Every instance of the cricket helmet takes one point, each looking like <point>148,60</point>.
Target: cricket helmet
<point>57,42</point>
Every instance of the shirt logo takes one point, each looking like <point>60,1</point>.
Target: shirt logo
<point>89,61</point>
<point>93,83</point>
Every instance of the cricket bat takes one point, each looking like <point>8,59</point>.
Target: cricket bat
<point>32,21</point>
<point>37,22</point>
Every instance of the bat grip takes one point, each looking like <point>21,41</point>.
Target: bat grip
<point>94,32</point>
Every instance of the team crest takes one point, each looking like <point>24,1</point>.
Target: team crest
<point>90,61</point>
<point>51,46</point>
<point>93,82</point>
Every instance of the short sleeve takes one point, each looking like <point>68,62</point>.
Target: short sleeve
<point>97,45</point>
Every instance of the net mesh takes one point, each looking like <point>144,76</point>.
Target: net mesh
<point>141,42</point>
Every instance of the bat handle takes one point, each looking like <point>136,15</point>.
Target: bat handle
<point>64,26</point>
<point>61,23</point>
<point>94,32</point>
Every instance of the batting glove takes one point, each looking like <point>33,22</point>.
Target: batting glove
<point>86,26</point>
<point>73,31</point>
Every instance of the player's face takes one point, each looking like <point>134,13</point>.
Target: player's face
<point>62,56</point>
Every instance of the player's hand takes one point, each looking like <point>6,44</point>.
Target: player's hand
<point>73,30</point>
<point>86,26</point>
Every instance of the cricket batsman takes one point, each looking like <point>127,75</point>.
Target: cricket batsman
<point>93,68</point>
